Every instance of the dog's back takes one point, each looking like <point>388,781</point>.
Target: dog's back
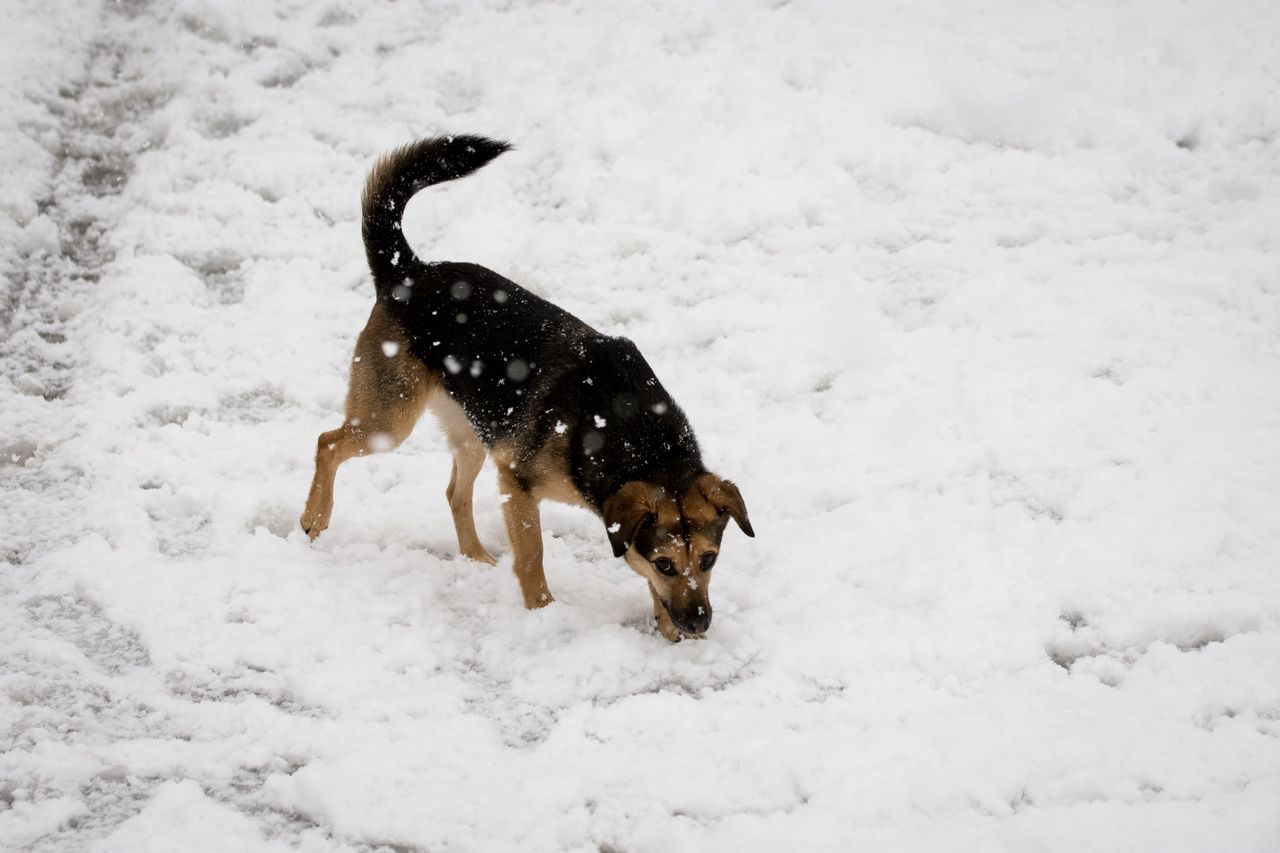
<point>518,365</point>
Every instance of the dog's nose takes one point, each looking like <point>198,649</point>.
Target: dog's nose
<point>697,622</point>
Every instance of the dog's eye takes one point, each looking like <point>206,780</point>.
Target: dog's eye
<point>665,567</point>
<point>708,560</point>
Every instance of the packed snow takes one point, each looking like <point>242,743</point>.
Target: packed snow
<point>978,302</point>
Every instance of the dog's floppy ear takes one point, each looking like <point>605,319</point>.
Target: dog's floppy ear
<point>725,497</point>
<point>625,512</point>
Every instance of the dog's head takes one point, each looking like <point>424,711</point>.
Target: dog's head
<point>671,536</point>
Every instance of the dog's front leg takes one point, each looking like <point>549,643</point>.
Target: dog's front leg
<point>524,529</point>
<point>666,627</point>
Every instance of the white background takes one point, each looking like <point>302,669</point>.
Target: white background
<point>978,302</point>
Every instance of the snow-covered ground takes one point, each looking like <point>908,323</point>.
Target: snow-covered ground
<point>979,302</point>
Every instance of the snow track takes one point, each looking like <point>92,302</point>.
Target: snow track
<point>980,304</point>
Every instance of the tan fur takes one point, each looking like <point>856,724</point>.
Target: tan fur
<point>524,529</point>
<point>688,526</point>
<point>687,593</point>
<point>468,458</point>
<point>661,617</point>
<point>525,483</point>
<point>545,474</point>
<point>386,396</point>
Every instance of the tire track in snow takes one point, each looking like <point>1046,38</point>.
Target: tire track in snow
<point>52,805</point>
<point>102,115</point>
<point>99,142</point>
<point>71,676</point>
<point>82,696</point>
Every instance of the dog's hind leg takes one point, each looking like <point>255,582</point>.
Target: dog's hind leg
<point>388,391</point>
<point>332,449</point>
<point>468,457</point>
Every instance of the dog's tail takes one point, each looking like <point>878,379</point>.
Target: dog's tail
<point>393,181</point>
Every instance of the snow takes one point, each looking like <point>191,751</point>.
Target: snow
<point>978,303</point>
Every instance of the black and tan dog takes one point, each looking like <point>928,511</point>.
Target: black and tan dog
<point>566,412</point>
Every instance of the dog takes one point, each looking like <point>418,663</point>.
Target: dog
<point>567,413</point>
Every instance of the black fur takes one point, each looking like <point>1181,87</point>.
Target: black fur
<point>398,176</point>
<point>520,367</point>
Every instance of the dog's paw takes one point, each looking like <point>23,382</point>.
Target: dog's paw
<point>312,526</point>
<point>668,630</point>
<point>481,556</point>
<point>542,599</point>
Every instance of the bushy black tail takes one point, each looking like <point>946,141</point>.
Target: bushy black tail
<point>393,181</point>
